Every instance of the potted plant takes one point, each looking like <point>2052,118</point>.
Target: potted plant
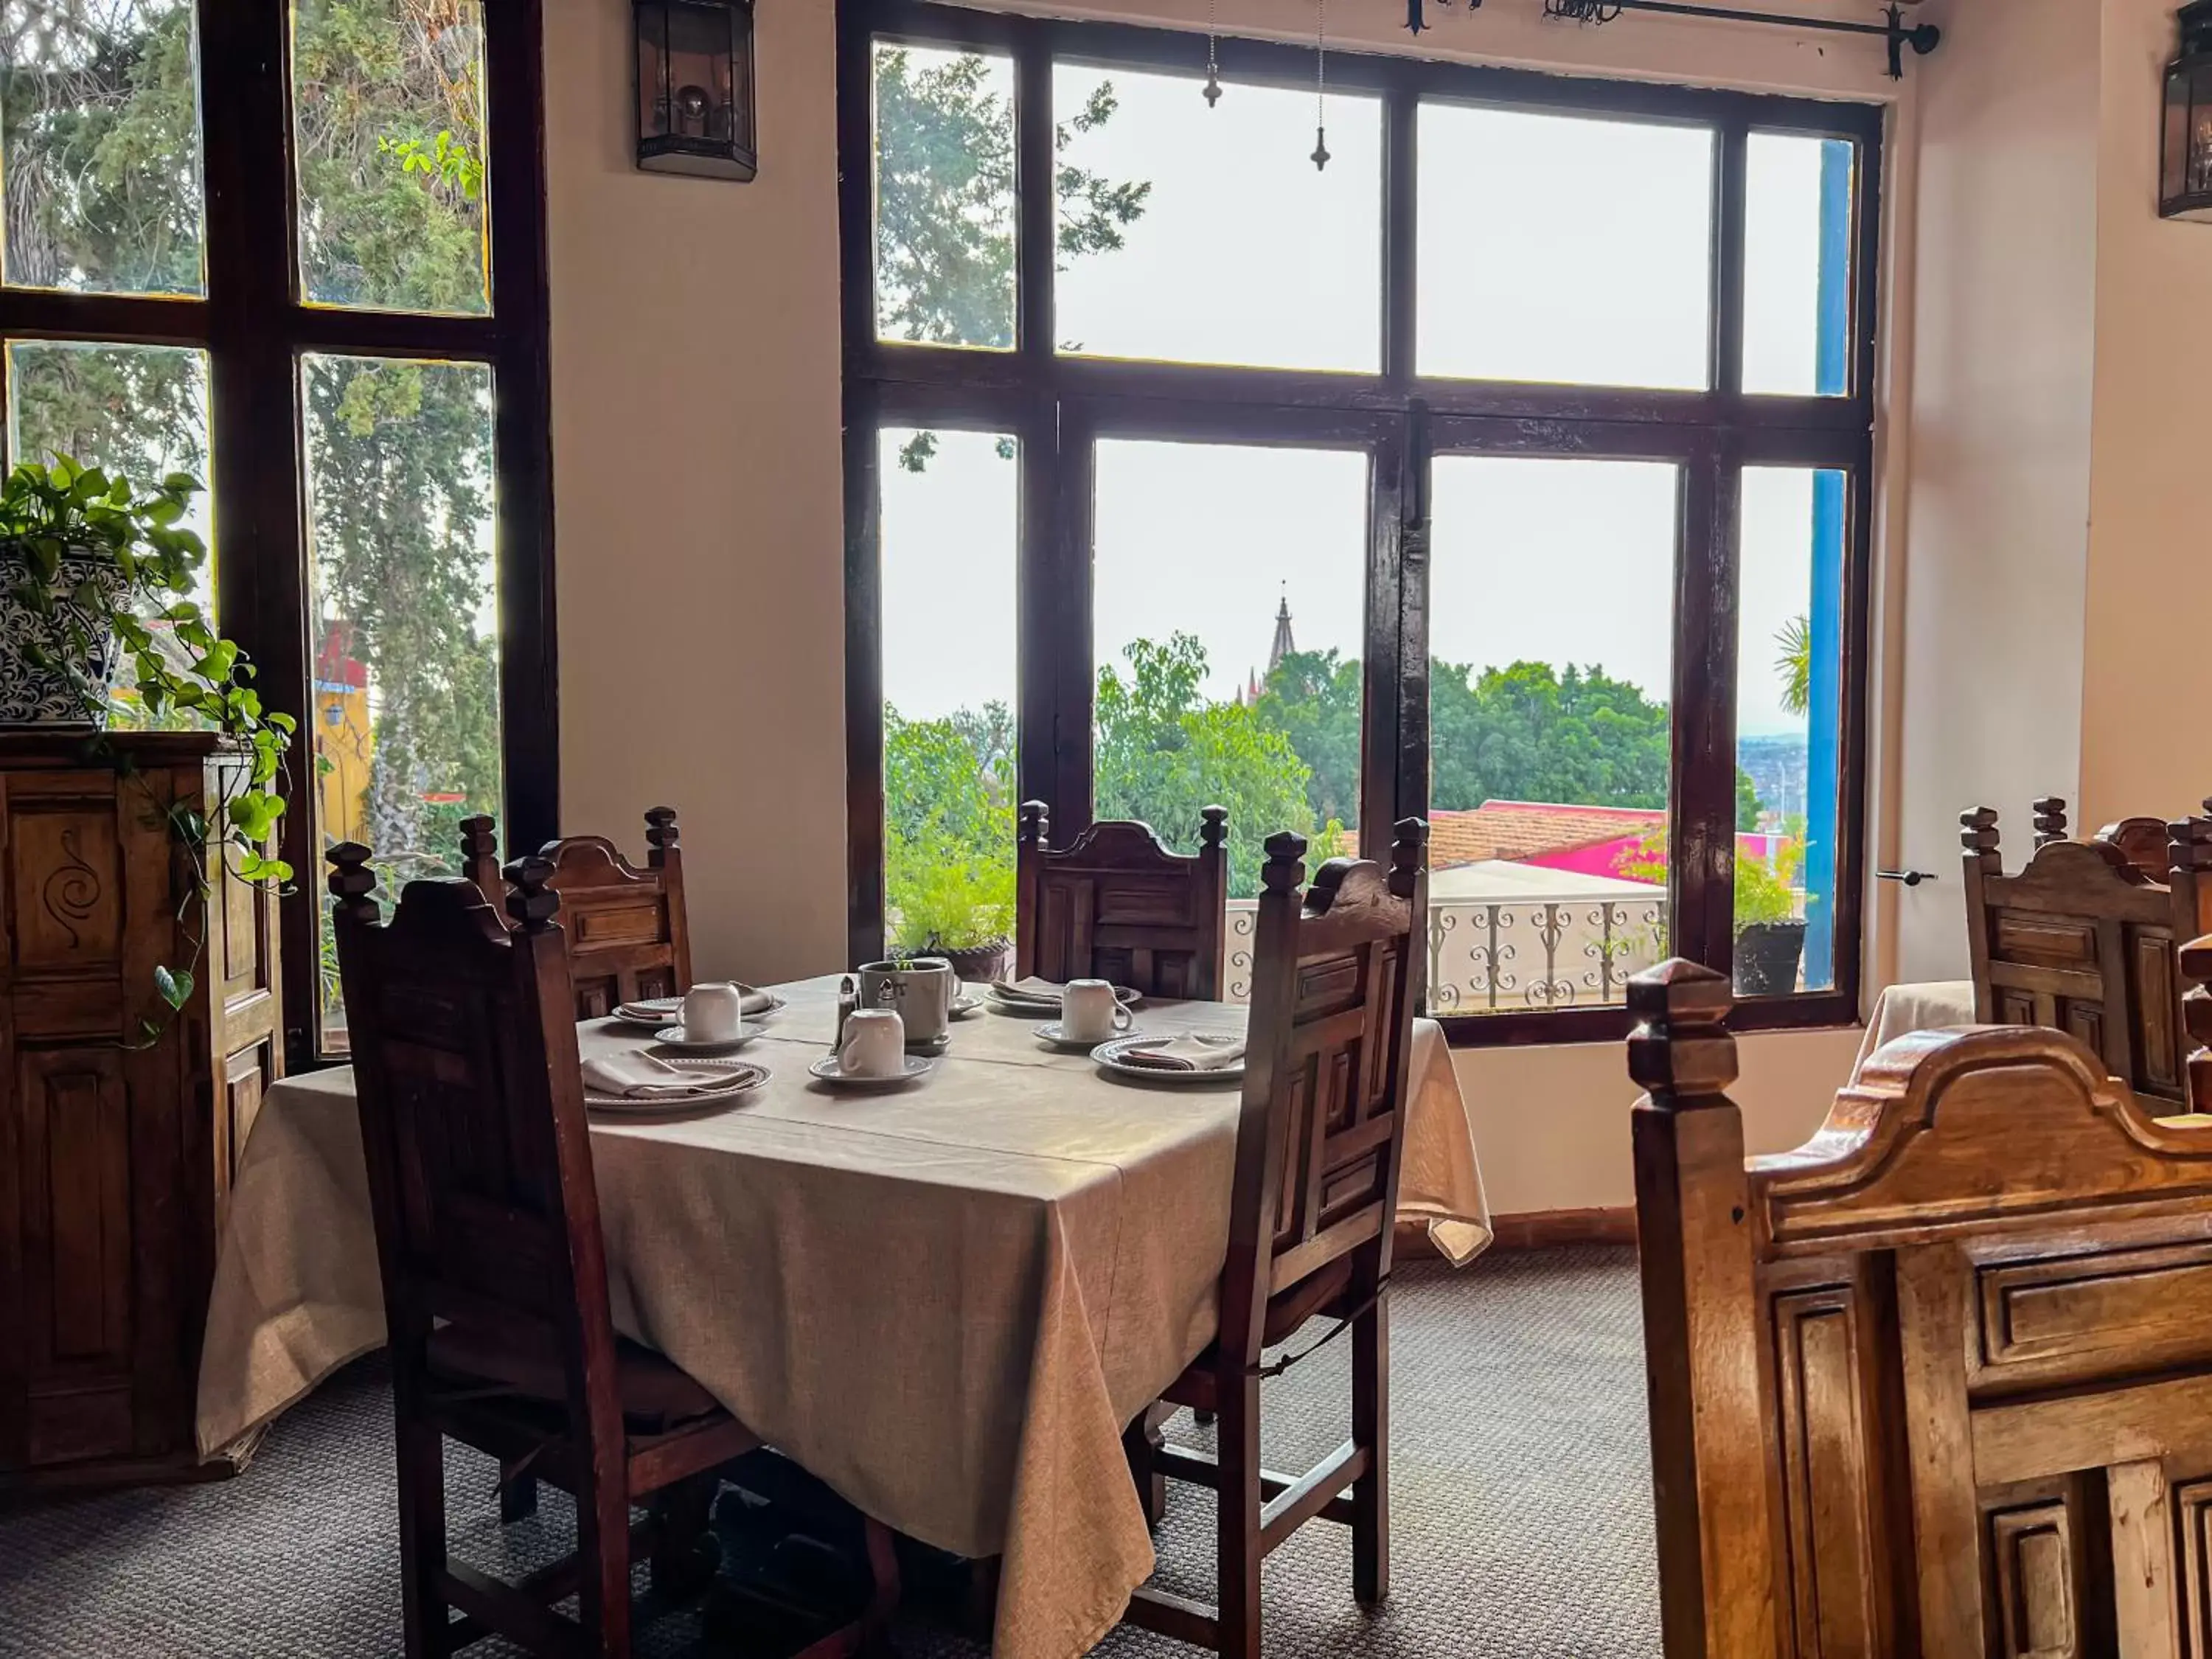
<point>945,901</point>
<point>1770,934</point>
<point>96,572</point>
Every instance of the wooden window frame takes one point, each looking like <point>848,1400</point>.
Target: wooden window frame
<point>1055,404</point>
<point>255,325</point>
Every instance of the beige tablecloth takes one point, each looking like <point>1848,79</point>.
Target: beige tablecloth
<point>1925,1008</point>
<point>946,1302</point>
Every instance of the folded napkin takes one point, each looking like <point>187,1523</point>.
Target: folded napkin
<point>1188,1054</point>
<point>756,1001</point>
<point>642,1077</point>
<point>1031,989</point>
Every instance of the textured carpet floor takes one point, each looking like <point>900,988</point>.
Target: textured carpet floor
<point>1521,1497</point>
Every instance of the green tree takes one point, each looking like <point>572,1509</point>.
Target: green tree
<point>945,242</point>
<point>948,827</point>
<point>1312,698</point>
<point>1163,753</point>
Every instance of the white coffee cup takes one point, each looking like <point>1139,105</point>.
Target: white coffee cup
<point>713,1013</point>
<point>1089,1011</point>
<point>875,1044</point>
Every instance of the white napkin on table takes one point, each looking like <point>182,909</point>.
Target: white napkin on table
<point>638,1076</point>
<point>1189,1053</point>
<point>1031,989</point>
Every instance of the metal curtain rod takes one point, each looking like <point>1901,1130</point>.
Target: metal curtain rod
<point>1894,31</point>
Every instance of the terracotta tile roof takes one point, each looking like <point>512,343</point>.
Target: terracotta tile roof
<point>1520,829</point>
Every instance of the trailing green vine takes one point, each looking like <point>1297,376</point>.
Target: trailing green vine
<point>96,558</point>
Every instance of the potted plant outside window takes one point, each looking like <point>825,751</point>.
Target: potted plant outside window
<point>1770,934</point>
<point>945,901</point>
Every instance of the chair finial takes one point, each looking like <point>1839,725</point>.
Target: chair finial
<point>532,904</point>
<point>2049,820</point>
<point>479,838</point>
<point>1213,825</point>
<point>1679,1047</point>
<point>1285,867</point>
<point>351,881</point>
<point>2189,844</point>
<point>1036,829</point>
<point>660,831</point>
<point>1978,830</point>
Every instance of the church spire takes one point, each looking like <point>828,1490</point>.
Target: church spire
<point>1284,643</point>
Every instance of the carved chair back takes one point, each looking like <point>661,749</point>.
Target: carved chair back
<point>1118,905</point>
<point>463,1038</point>
<point>1337,978</point>
<point>1940,1383</point>
<point>625,925</point>
<point>2081,941</point>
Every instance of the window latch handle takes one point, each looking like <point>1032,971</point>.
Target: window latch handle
<point>1909,877</point>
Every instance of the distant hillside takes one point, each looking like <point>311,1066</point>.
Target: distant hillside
<point>1776,766</point>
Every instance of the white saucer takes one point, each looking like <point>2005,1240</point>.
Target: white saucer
<point>673,1036</point>
<point>969,1002</point>
<point>1109,1056</point>
<point>826,1070</point>
<point>649,1010</point>
<point>1055,1035</point>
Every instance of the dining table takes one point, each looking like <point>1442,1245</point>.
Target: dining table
<point>945,1301</point>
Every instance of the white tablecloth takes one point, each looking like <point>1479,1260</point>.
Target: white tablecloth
<point>945,1301</point>
<point>1930,1007</point>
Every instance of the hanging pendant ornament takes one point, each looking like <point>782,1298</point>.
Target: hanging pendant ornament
<point>1321,85</point>
<point>1212,53</point>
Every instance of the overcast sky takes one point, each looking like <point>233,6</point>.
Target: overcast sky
<point>1550,248</point>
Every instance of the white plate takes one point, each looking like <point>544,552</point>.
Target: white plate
<point>673,1036</point>
<point>1055,1035</point>
<point>1109,1058</point>
<point>967,1003</point>
<point>1033,1007</point>
<point>749,1077</point>
<point>826,1070</point>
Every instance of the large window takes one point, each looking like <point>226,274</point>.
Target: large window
<point>1512,469</point>
<point>292,247</point>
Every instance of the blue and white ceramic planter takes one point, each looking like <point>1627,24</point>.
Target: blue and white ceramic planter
<point>43,693</point>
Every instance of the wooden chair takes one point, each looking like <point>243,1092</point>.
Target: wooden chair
<point>1337,979</point>
<point>626,930</point>
<point>1938,1385</point>
<point>1118,905</point>
<point>494,1274</point>
<point>2141,840</point>
<point>2081,941</point>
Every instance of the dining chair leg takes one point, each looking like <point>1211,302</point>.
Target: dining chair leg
<point>1141,1442</point>
<point>423,1539</point>
<point>603,1549</point>
<point>1237,1523</point>
<point>685,1554</point>
<point>518,1496</point>
<point>1370,1428</point>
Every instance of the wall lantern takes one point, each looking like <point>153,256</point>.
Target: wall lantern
<point>2184,185</point>
<point>695,87</point>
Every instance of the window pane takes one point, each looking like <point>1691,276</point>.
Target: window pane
<point>100,130</point>
<point>1789,659</point>
<point>1202,235</point>
<point>1797,265</point>
<point>404,626</point>
<point>389,101</point>
<point>1551,660</point>
<point>1229,623</point>
<point>1562,249</point>
<point>944,196</point>
<point>140,412</point>
<point>950,506</point>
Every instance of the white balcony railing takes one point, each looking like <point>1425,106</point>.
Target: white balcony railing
<point>1497,956</point>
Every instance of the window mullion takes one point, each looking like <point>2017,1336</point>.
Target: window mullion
<point>1700,867</point>
<point>1729,193</point>
<point>1037,206</point>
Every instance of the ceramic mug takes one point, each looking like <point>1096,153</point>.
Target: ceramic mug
<point>919,989</point>
<point>1089,1011</point>
<point>713,1013</point>
<point>874,1044</point>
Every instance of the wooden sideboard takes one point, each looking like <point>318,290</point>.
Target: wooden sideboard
<point>116,1155</point>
